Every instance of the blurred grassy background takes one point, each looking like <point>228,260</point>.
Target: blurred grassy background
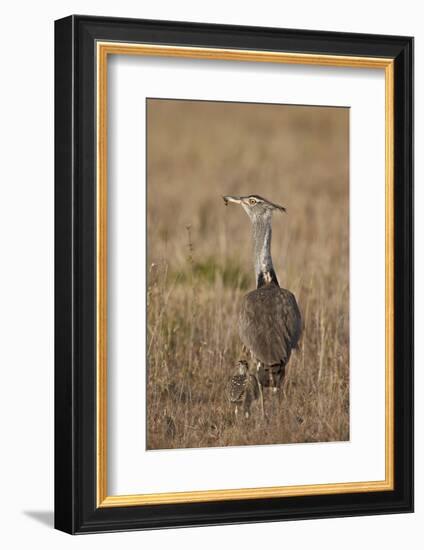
<point>200,265</point>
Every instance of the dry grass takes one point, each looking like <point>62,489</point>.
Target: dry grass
<point>200,265</point>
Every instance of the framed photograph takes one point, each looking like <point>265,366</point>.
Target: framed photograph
<point>204,372</point>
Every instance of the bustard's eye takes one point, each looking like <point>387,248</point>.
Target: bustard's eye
<point>252,201</point>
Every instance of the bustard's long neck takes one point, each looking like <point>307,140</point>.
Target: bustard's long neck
<point>262,232</point>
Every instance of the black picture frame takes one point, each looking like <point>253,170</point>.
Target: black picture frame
<point>76,510</point>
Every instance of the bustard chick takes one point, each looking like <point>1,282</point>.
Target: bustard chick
<point>242,389</point>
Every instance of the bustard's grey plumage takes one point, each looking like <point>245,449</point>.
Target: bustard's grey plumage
<point>242,388</point>
<point>269,321</point>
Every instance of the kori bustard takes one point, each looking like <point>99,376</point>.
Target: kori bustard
<point>270,323</point>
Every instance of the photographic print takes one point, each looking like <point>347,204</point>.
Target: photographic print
<point>247,337</point>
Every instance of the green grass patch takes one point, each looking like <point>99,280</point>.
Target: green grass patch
<point>209,270</point>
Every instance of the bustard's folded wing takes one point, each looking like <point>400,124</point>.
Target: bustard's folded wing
<point>270,324</point>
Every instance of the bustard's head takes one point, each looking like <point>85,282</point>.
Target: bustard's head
<point>242,367</point>
<point>255,206</point>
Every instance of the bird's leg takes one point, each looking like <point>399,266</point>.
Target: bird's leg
<point>251,395</point>
<point>246,407</point>
<point>275,383</point>
<point>261,397</point>
<point>279,388</point>
<point>261,391</point>
<point>273,388</point>
<point>272,383</point>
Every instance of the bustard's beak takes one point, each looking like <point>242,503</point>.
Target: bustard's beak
<point>229,198</point>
